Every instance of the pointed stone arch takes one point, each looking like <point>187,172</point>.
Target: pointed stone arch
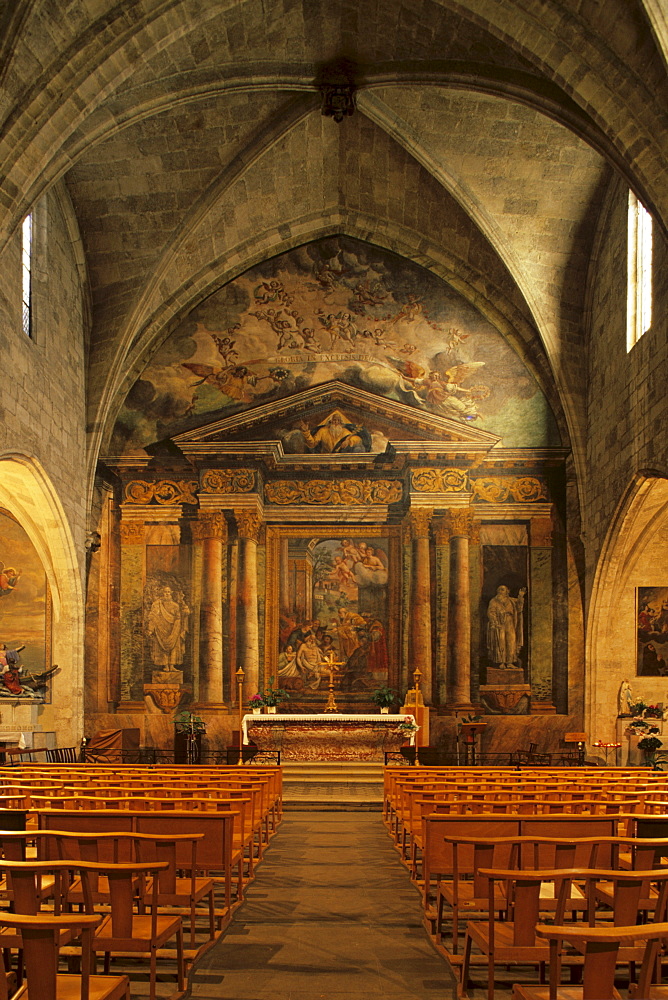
<point>634,554</point>
<point>27,492</point>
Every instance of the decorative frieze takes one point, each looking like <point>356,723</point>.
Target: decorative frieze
<point>228,481</point>
<point>341,492</point>
<point>439,481</point>
<point>500,489</point>
<point>166,491</point>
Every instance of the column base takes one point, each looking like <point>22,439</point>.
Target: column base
<point>210,706</point>
<point>457,707</point>
<point>131,707</point>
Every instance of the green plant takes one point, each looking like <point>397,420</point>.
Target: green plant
<point>649,744</point>
<point>274,696</point>
<point>384,696</point>
<point>470,718</point>
<point>637,708</point>
<point>257,701</point>
<point>186,722</point>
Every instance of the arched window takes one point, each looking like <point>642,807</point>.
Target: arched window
<point>26,267</point>
<point>639,297</point>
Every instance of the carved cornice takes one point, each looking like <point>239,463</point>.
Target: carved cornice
<point>249,525</point>
<point>500,489</point>
<point>418,521</point>
<point>228,481</point>
<point>166,491</point>
<point>439,481</point>
<point>132,532</point>
<point>540,532</point>
<point>341,492</point>
<point>210,525</point>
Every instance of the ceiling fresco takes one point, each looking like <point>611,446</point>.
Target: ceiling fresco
<point>335,309</point>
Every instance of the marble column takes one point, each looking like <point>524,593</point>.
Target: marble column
<point>210,530</point>
<point>541,623</point>
<point>284,599</point>
<point>442,556</point>
<point>248,632</point>
<point>420,619</point>
<point>459,521</point>
<point>131,616</point>
<point>475,581</point>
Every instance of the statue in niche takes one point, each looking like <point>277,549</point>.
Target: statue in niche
<point>166,627</point>
<point>505,627</point>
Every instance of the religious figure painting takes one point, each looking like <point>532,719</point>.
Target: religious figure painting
<point>335,309</point>
<point>25,617</point>
<point>166,623</point>
<point>336,595</point>
<point>652,631</point>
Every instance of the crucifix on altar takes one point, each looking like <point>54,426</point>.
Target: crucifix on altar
<point>332,665</point>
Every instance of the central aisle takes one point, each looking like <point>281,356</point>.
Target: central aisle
<point>331,914</point>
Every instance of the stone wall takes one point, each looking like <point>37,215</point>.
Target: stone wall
<point>42,439</point>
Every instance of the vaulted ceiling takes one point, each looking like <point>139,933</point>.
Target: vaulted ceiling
<point>190,139</point>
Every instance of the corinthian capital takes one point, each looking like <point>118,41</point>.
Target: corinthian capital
<point>457,522</point>
<point>418,521</point>
<point>249,525</point>
<point>210,525</point>
<point>132,532</point>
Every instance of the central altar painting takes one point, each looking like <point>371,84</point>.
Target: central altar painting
<point>336,602</point>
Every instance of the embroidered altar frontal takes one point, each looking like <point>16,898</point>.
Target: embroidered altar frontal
<point>325,737</point>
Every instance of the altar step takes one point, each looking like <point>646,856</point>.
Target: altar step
<point>332,785</point>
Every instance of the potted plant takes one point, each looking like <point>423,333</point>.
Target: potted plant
<point>637,708</point>
<point>273,697</point>
<point>384,697</point>
<point>407,728</point>
<point>255,704</point>
<point>649,745</point>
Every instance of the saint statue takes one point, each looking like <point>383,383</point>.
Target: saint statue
<point>625,699</point>
<point>166,627</point>
<point>505,627</point>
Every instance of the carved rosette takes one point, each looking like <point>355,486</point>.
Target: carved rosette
<point>439,481</point>
<point>228,481</point>
<point>165,491</point>
<point>323,492</point>
<point>500,489</point>
<point>132,533</point>
<point>211,525</point>
<point>249,525</point>
<point>418,521</point>
<point>540,532</point>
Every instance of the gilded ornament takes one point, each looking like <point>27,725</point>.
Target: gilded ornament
<point>419,521</point>
<point>165,491</point>
<point>458,521</point>
<point>499,489</point>
<point>335,492</point>
<point>438,481</point>
<point>228,481</point>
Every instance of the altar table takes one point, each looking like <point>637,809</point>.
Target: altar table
<point>325,736</point>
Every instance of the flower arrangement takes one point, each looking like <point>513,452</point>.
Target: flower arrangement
<point>637,708</point>
<point>274,696</point>
<point>256,701</point>
<point>654,712</point>
<point>408,727</point>
<point>384,697</point>
<point>649,744</point>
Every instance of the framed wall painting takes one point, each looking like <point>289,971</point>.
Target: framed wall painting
<point>333,596</point>
<point>25,617</point>
<point>652,631</point>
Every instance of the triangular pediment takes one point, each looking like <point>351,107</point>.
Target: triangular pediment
<point>295,425</point>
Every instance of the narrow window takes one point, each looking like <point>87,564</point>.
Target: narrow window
<point>26,264</point>
<point>639,298</point>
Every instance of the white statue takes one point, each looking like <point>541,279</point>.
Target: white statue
<point>625,699</point>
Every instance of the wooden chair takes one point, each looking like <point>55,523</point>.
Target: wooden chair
<point>123,930</point>
<point>40,936</point>
<point>601,947</point>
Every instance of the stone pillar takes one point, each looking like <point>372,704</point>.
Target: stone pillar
<point>540,615</point>
<point>211,532</point>
<point>284,597</point>
<point>420,620</point>
<point>475,580</point>
<point>459,521</point>
<point>248,632</point>
<point>442,539</point>
<point>132,616</point>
